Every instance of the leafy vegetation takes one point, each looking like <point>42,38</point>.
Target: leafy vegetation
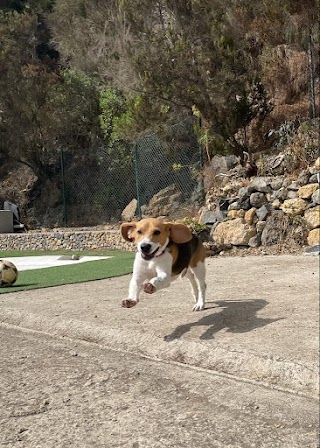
<point>89,77</point>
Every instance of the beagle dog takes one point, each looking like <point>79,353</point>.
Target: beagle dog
<point>165,251</point>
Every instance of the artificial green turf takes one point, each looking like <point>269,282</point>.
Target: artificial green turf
<point>121,263</point>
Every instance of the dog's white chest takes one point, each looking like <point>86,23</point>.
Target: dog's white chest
<point>150,268</point>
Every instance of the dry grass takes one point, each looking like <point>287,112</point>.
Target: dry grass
<point>299,150</point>
<point>285,73</point>
<point>16,184</point>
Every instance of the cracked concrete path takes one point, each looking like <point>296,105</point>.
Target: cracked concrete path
<point>261,323</point>
<point>57,392</point>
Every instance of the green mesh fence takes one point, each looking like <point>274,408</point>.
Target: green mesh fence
<point>162,172</point>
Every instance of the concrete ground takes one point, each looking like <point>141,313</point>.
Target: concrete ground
<point>81,371</point>
<point>61,393</point>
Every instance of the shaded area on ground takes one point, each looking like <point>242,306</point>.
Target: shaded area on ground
<point>246,311</point>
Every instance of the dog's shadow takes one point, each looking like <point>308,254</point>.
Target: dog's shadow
<point>236,316</point>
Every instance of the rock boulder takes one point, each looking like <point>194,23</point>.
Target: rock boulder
<point>314,237</point>
<point>312,216</point>
<point>294,207</point>
<point>236,232</point>
<point>130,211</point>
<point>307,191</point>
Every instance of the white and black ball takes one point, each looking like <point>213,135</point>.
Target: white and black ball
<point>8,273</point>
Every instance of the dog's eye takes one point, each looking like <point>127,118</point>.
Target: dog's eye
<point>156,232</point>
<point>139,232</point>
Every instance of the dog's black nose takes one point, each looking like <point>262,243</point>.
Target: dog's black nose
<point>145,248</point>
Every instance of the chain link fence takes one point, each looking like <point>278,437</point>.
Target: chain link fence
<point>162,172</point>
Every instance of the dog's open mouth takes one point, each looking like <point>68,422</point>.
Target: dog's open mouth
<point>148,256</point>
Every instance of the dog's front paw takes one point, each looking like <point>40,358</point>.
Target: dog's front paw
<point>149,288</point>
<point>128,303</point>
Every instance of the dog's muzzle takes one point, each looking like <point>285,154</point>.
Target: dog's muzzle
<point>145,251</point>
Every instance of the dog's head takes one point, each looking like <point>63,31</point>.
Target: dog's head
<point>151,235</point>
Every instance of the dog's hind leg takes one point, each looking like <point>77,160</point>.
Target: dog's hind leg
<point>199,272</point>
<point>190,276</point>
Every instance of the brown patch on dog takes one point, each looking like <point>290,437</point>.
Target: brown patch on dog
<point>126,230</point>
<point>156,230</point>
<point>179,233</point>
<point>198,255</point>
<point>174,251</point>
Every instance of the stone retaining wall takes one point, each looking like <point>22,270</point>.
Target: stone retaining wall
<point>265,210</point>
<point>64,240</point>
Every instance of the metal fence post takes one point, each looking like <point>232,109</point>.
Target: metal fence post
<point>136,172</point>
<point>201,172</point>
<point>201,180</point>
<point>311,77</point>
<point>65,213</point>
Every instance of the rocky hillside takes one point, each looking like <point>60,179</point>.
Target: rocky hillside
<point>275,209</point>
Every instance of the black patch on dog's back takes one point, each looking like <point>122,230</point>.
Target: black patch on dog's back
<point>185,251</point>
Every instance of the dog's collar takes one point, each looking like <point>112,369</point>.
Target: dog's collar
<point>163,248</point>
<point>161,253</point>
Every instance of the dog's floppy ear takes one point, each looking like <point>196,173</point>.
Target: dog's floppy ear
<point>179,233</point>
<point>126,230</point>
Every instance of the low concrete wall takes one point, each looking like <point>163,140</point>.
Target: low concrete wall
<point>64,240</point>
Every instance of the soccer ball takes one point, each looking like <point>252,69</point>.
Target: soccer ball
<point>8,273</point>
